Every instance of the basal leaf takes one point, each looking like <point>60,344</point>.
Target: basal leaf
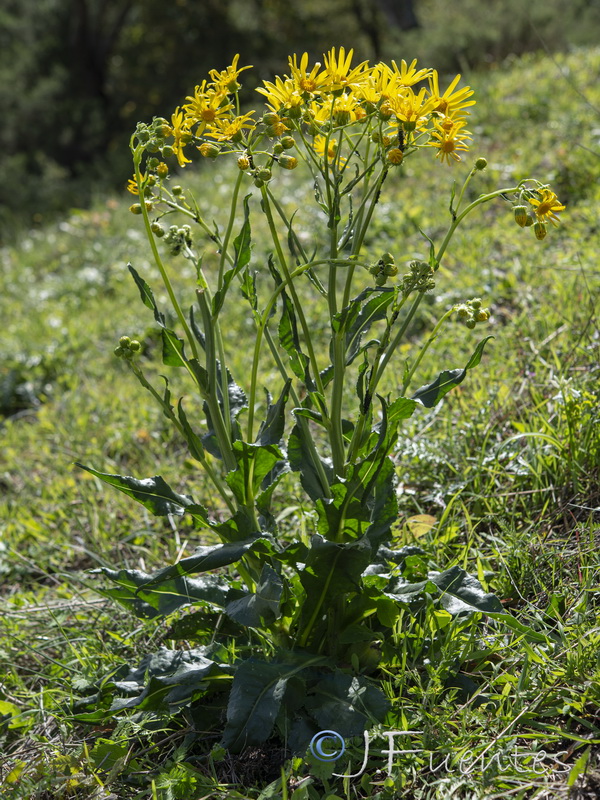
<point>431,394</point>
<point>347,704</point>
<point>260,608</point>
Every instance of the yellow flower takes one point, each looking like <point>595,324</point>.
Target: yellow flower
<point>407,74</point>
<point>344,110</point>
<point>226,80</point>
<point>205,107</point>
<point>283,94</point>
<point>337,72</point>
<point>182,136</point>
<point>546,207</point>
<point>228,130</point>
<point>412,109</point>
<point>132,185</point>
<point>450,102</point>
<point>304,81</point>
<point>319,144</point>
<point>449,140</point>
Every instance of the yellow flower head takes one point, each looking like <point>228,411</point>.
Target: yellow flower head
<point>132,185</point>
<point>546,206</point>
<point>281,95</point>
<point>181,135</point>
<point>319,144</point>
<point>450,102</point>
<point>304,81</point>
<point>338,74</point>
<point>227,80</point>
<point>408,74</point>
<point>230,130</point>
<point>449,140</point>
<point>205,106</point>
<point>412,109</point>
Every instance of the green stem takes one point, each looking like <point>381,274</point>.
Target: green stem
<point>424,349</point>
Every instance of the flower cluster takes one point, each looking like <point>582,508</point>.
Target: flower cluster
<point>543,207</point>
<point>400,106</point>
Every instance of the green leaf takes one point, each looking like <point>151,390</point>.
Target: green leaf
<point>153,493</point>
<point>357,317</point>
<point>300,459</point>
<point>191,437</point>
<point>255,699</point>
<point>346,704</point>
<point>248,288</point>
<point>254,463</point>
<point>242,248</point>
<point>172,349</point>
<point>272,428</point>
<point>431,394</point>
<point>462,592</point>
<point>290,341</point>
<point>261,608</point>
<point>147,296</point>
<point>134,591</point>
<point>169,679</point>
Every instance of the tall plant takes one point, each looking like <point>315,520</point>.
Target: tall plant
<point>322,603</point>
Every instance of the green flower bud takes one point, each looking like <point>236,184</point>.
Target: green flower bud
<point>153,163</point>
<point>162,169</point>
<point>481,163</point>
<point>521,215</point>
<point>258,183</point>
<point>124,341</point>
<point>167,151</point>
<point>209,150</point>
<point>388,258</point>
<point>539,228</point>
<point>277,148</point>
<point>135,346</point>
<point>119,352</point>
<point>470,323</point>
<point>264,175</point>
<point>135,208</point>
<point>270,118</point>
<point>288,162</point>
<point>157,229</point>
<point>177,190</point>
<point>391,270</point>
<point>475,302</point>
<point>482,315</point>
<point>287,142</point>
<point>381,279</point>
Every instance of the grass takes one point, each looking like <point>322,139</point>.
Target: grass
<point>503,479</point>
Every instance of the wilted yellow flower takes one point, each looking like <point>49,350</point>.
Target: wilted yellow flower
<point>132,185</point>
<point>546,207</point>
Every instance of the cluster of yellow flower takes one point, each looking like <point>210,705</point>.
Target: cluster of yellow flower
<point>321,98</point>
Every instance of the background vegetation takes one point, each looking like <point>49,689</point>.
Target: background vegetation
<point>76,75</point>
<point>502,480</point>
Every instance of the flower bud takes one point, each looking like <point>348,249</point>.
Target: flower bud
<point>124,341</point>
<point>135,346</point>
<point>388,258</point>
<point>482,315</point>
<point>475,303</point>
<point>521,215</point>
<point>385,111</point>
<point>119,352</point>
<point>391,270</point>
<point>258,183</point>
<point>177,190</point>
<point>157,229</point>
<point>153,163</point>
<point>167,151</point>
<point>395,156</point>
<point>209,150</point>
<point>264,174</point>
<point>135,208</point>
<point>243,163</point>
<point>287,142</point>
<point>530,220</point>
<point>470,323</point>
<point>288,162</point>
<point>161,169</point>
<point>539,228</point>
<point>270,118</point>
<point>277,148</point>
<point>481,163</point>
<point>380,279</point>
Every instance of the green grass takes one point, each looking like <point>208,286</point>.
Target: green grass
<point>507,471</point>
